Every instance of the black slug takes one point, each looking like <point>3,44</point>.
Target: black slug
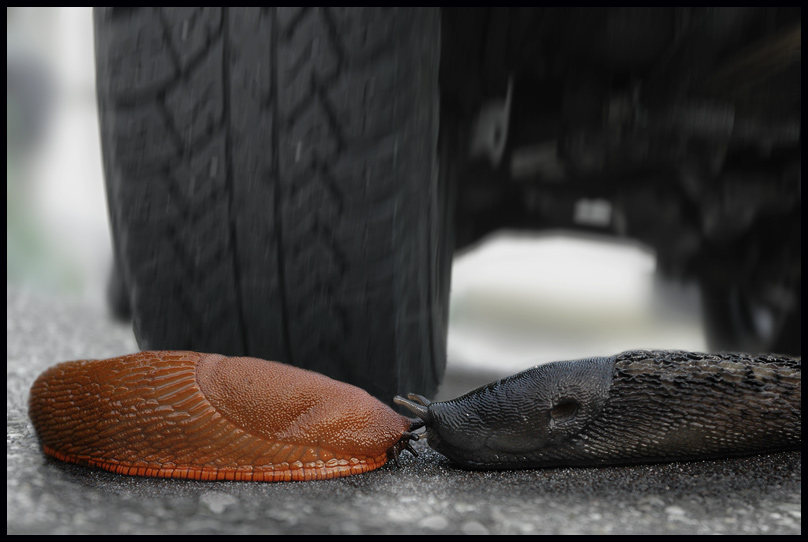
<point>636,407</point>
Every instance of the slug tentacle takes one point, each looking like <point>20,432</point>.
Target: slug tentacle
<point>419,399</point>
<point>403,444</point>
<point>639,406</point>
<point>417,405</point>
<point>211,417</point>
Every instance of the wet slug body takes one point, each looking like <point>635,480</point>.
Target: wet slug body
<point>211,417</point>
<point>640,406</point>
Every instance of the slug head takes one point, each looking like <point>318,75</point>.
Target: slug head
<point>526,420</point>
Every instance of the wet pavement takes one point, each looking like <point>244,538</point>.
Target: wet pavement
<point>427,495</point>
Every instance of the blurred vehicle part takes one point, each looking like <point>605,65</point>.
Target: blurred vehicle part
<point>678,127</point>
<point>490,132</point>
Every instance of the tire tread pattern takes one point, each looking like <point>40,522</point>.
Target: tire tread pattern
<point>268,187</point>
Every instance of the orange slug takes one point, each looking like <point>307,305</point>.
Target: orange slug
<point>211,417</point>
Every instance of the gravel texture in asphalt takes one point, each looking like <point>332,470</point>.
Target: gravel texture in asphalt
<point>754,495</point>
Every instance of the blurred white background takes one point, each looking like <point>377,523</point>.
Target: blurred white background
<point>517,299</point>
<point>57,221</point>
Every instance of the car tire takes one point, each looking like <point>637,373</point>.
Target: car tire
<point>273,187</point>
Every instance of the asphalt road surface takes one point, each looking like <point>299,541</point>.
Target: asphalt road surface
<point>427,495</point>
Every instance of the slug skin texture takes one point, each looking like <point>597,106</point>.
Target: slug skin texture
<point>211,417</point>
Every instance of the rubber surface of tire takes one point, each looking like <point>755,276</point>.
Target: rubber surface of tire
<point>272,185</point>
